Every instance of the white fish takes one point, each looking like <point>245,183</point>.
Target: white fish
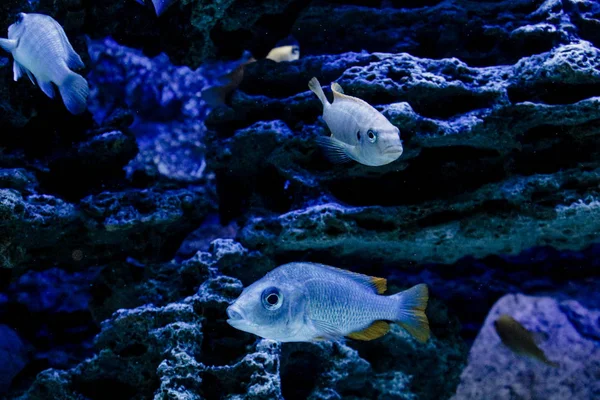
<point>304,302</point>
<point>284,53</point>
<point>41,50</point>
<point>358,131</point>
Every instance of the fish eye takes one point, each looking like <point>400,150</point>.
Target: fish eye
<point>272,298</point>
<point>295,50</point>
<point>19,18</point>
<point>372,136</point>
<point>358,135</point>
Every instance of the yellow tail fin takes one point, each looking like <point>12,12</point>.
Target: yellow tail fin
<point>411,311</point>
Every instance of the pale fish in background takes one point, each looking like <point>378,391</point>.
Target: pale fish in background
<point>358,131</point>
<point>41,50</point>
<point>519,340</point>
<point>284,53</point>
<point>216,96</point>
<point>159,6</point>
<point>304,302</point>
<point>285,50</point>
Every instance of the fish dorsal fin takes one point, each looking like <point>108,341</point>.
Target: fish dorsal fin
<point>376,330</point>
<point>338,93</point>
<point>379,285</point>
<point>336,88</point>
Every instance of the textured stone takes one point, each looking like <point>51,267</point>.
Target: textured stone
<point>132,222</point>
<point>192,31</point>
<point>166,344</point>
<point>13,356</point>
<point>182,348</point>
<point>495,372</point>
<point>475,156</point>
<point>497,103</point>
<point>483,223</point>
<point>480,33</point>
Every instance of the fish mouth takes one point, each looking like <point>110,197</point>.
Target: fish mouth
<point>393,150</point>
<point>236,316</point>
<point>237,319</point>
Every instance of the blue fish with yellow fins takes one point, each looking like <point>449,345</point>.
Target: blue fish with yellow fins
<point>305,302</point>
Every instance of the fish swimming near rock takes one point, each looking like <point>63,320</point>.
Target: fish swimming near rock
<point>305,302</point>
<point>285,50</point>
<point>42,51</point>
<point>159,6</point>
<point>519,340</point>
<point>216,96</point>
<point>358,131</point>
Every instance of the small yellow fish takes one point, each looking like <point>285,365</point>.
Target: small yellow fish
<point>284,53</point>
<point>519,340</point>
<point>358,131</point>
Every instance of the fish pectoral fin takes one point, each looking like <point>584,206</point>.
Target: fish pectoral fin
<point>18,71</point>
<point>336,151</point>
<point>374,331</point>
<point>47,88</point>
<point>326,329</point>
<point>8,44</point>
<point>335,87</point>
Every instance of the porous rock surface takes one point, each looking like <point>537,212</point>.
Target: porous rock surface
<point>482,146</point>
<point>168,345</point>
<point>572,338</point>
<point>496,192</point>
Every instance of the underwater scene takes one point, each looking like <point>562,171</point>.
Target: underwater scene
<point>300,199</point>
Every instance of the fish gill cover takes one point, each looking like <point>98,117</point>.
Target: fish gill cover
<point>127,231</point>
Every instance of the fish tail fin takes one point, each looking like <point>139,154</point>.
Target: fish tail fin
<point>542,357</point>
<point>214,96</point>
<point>316,88</point>
<point>74,91</point>
<point>410,311</point>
